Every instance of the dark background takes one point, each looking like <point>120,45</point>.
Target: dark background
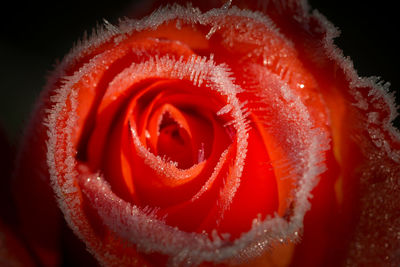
<point>34,35</point>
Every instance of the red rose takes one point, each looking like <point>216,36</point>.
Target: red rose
<point>12,252</point>
<point>222,136</point>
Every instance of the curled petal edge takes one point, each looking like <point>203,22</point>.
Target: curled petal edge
<point>68,187</point>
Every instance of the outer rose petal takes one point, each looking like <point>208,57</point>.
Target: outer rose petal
<point>12,250</point>
<point>359,142</point>
<point>367,148</point>
<point>6,159</point>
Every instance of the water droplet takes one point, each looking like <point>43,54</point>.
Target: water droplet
<point>147,134</point>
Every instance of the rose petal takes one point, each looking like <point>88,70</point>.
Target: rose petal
<point>309,94</point>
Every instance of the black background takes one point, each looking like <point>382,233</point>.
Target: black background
<point>35,34</point>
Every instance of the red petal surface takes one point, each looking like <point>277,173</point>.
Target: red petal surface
<point>206,138</point>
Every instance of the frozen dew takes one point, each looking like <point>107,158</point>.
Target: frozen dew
<point>379,195</point>
<point>305,146</point>
<point>195,69</point>
<point>213,176</point>
<point>263,232</point>
<point>212,31</point>
<point>224,110</point>
<point>378,95</point>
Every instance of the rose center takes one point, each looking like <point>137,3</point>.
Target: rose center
<point>174,143</point>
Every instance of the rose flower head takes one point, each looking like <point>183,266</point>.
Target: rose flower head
<point>219,134</point>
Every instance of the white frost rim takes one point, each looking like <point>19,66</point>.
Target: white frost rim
<point>200,248</point>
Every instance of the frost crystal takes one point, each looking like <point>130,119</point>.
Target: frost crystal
<point>151,234</point>
<point>285,116</point>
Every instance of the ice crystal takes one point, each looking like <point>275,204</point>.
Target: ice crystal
<point>293,127</point>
